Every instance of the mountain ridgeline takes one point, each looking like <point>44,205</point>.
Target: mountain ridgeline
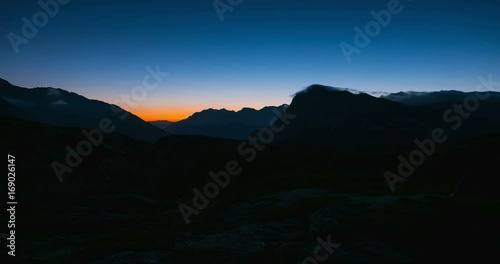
<point>62,108</point>
<point>324,116</point>
<point>224,123</point>
<point>335,117</point>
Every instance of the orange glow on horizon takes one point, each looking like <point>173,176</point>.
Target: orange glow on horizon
<point>175,113</point>
<point>157,115</point>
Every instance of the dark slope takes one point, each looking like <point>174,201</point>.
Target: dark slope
<point>8,109</point>
<point>62,108</point>
<point>432,98</point>
<point>121,204</point>
<point>481,119</point>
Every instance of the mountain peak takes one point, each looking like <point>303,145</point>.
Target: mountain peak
<point>320,89</point>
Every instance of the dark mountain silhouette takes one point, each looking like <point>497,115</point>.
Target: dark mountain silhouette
<point>9,109</point>
<point>225,123</point>
<point>330,116</point>
<point>434,98</point>
<point>483,119</point>
<point>163,124</point>
<point>62,108</point>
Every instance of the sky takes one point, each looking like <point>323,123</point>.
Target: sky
<point>260,54</point>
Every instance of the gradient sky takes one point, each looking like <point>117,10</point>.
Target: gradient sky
<point>261,54</point>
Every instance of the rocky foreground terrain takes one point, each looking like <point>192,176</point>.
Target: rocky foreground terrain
<point>121,204</point>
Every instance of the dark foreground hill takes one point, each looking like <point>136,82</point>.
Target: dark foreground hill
<point>121,204</point>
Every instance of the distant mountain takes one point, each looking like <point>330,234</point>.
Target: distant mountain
<point>225,123</point>
<point>484,119</point>
<point>433,98</point>
<point>163,124</point>
<point>331,116</point>
<point>62,108</point>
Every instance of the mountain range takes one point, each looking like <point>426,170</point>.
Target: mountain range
<point>335,117</point>
<point>62,108</point>
<point>324,116</point>
<point>224,123</point>
<point>321,177</point>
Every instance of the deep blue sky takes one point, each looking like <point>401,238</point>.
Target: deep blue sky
<point>263,51</point>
